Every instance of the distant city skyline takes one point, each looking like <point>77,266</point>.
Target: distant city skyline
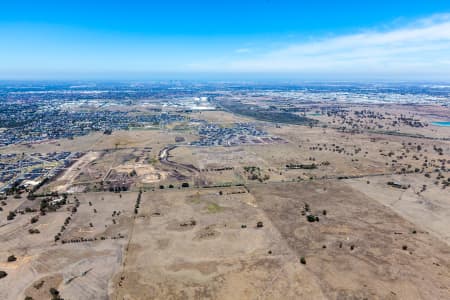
<point>348,40</point>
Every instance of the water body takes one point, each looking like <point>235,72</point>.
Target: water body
<point>446,124</point>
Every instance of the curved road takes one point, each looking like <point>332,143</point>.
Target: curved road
<point>163,157</point>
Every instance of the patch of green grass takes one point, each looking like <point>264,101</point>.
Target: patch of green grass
<point>144,128</point>
<point>214,208</point>
<point>152,160</point>
<point>181,128</point>
<point>195,200</point>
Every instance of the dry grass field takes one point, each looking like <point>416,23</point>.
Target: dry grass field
<point>78,268</point>
<point>206,245</point>
<point>323,214</point>
<point>359,249</point>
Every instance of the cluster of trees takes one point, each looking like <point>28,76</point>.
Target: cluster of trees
<point>302,166</point>
<point>83,240</point>
<point>138,202</point>
<point>268,115</point>
<point>439,150</point>
<point>309,216</point>
<point>171,186</point>
<point>67,220</point>
<point>49,205</point>
<point>255,173</point>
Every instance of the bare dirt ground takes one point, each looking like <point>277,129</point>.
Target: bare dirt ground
<point>66,180</point>
<point>78,269</point>
<point>192,245</point>
<point>429,209</point>
<point>357,249</point>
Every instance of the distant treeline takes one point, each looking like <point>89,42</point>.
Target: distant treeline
<point>302,166</point>
<point>267,115</point>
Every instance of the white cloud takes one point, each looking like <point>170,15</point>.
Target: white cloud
<point>422,47</point>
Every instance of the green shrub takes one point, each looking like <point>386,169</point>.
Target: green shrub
<point>11,216</point>
<point>311,218</point>
<point>12,258</point>
<point>54,292</point>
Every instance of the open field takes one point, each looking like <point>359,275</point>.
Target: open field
<point>100,141</point>
<point>193,245</point>
<point>333,154</point>
<point>316,212</point>
<point>81,264</point>
<point>397,119</point>
<point>219,117</point>
<point>197,244</point>
<point>205,243</point>
<point>357,249</point>
<point>428,209</point>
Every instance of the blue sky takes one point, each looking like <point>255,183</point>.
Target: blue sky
<point>307,39</point>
